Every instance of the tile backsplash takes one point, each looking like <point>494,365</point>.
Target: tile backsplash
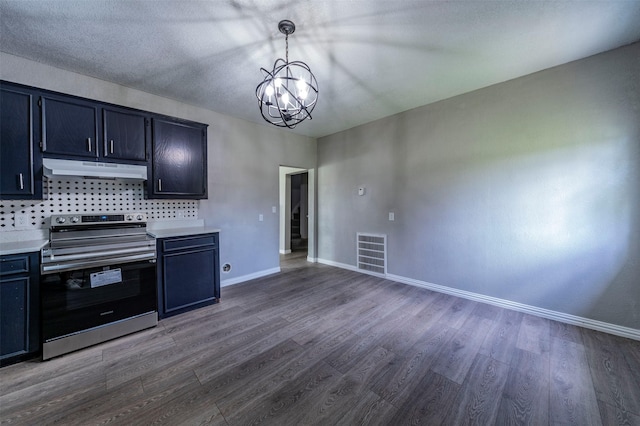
<point>91,196</point>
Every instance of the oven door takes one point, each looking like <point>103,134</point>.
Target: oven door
<point>75,301</point>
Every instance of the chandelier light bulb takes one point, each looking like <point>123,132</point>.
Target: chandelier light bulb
<point>303,90</point>
<point>269,90</point>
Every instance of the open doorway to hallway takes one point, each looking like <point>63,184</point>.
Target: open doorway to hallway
<point>294,213</point>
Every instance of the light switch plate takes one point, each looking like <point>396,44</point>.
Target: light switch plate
<point>260,217</point>
<point>392,216</point>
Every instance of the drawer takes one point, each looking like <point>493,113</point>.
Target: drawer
<point>18,264</point>
<point>181,243</point>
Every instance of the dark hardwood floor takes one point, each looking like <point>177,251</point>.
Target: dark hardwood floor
<point>326,346</point>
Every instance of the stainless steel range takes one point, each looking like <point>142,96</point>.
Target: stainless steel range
<point>98,280</point>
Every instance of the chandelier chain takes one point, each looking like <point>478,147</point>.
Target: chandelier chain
<point>286,41</point>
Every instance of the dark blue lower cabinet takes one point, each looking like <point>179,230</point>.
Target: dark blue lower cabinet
<point>19,307</point>
<point>188,273</point>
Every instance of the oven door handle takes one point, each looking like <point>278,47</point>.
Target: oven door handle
<point>47,268</point>
<point>90,255</point>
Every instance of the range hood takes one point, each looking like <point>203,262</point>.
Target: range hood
<point>53,167</point>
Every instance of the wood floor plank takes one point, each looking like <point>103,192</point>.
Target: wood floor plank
<point>100,402</point>
<point>612,378</point>
<point>233,351</point>
<point>150,408</point>
<point>501,340</point>
<point>459,312</point>
<point>239,386</point>
<point>565,331</point>
<point>435,308</point>
<point>31,404</point>
<point>525,399</point>
<point>288,404</point>
<point>572,396</point>
<point>631,351</point>
<point>457,355</point>
<point>534,335</point>
<point>478,400</point>
<point>613,416</point>
<point>369,409</point>
<point>406,371</point>
<point>16,377</point>
<point>429,404</point>
<point>332,404</point>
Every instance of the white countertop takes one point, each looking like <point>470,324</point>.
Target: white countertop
<point>178,228</point>
<point>28,241</point>
<point>22,241</point>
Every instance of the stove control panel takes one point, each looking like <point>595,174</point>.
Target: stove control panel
<point>76,219</point>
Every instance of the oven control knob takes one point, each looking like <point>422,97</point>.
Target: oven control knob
<point>129,217</point>
<point>75,219</point>
<point>61,220</point>
<point>139,217</point>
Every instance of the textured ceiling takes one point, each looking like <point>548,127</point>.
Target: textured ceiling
<point>372,58</point>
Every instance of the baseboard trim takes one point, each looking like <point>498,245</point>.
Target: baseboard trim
<point>350,267</point>
<point>338,265</point>
<point>243,278</point>
<point>605,327</point>
<point>285,251</point>
<point>312,259</point>
<point>618,330</point>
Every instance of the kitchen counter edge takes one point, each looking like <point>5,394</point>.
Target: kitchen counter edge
<point>21,247</point>
<point>181,232</point>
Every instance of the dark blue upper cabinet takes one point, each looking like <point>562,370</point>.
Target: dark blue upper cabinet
<point>69,127</point>
<point>125,134</point>
<point>85,129</point>
<point>19,160</point>
<point>179,160</point>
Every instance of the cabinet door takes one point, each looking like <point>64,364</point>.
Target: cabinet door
<point>17,161</point>
<point>179,160</point>
<point>14,316</point>
<point>19,307</point>
<point>188,278</point>
<point>69,127</point>
<point>125,135</point>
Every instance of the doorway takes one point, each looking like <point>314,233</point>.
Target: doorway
<point>297,237</point>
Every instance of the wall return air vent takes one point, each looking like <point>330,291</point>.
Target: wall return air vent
<point>372,253</point>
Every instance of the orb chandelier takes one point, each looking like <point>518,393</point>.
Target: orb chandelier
<point>289,92</point>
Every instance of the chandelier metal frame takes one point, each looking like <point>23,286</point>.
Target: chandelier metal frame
<point>289,92</point>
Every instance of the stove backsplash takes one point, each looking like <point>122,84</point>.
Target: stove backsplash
<point>90,196</point>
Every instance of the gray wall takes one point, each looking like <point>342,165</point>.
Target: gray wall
<point>243,159</point>
<point>527,191</point>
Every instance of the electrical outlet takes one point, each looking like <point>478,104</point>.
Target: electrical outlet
<point>21,220</point>
<point>392,216</point>
<point>260,217</point>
